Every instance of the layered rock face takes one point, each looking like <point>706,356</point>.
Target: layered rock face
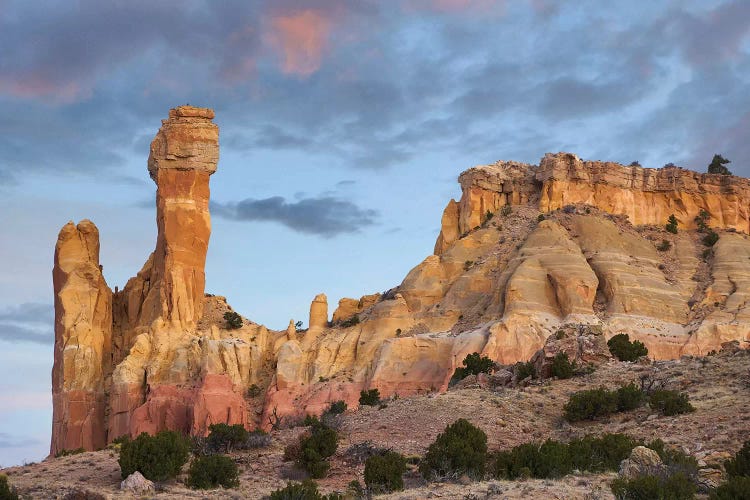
<point>531,261</point>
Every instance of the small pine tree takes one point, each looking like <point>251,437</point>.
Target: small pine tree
<point>717,166</point>
<point>562,368</point>
<point>369,398</point>
<point>460,449</point>
<point>233,320</point>
<point>671,224</point>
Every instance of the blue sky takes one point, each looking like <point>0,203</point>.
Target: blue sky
<point>344,125</point>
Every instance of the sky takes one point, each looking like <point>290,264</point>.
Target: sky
<point>343,128</point>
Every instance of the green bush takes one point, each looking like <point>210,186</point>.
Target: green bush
<point>736,488</point>
<point>671,225</point>
<point>562,368</point>
<point>254,391</point>
<point>212,471</point>
<point>711,238</point>
<point>369,398</point>
<point>664,246</point>
<point>383,473</point>
<point>232,320</point>
<point>629,397</point>
<point>257,439</point>
<point>315,448</point>
<point>460,449</point>
<point>673,487</point>
<point>506,210</point>
<point>701,221</point>
<point>739,465</point>
<point>670,403</point>
<point>354,320</point>
<point>590,404</point>
<point>6,491</point>
<point>675,459</point>
<point>474,364</point>
<point>158,457</point>
<point>603,453</point>
<point>337,408</point>
<point>553,459</point>
<point>225,437</point>
<point>306,490</point>
<point>718,165</point>
<point>65,453</point>
<point>525,370</point>
<point>623,349</point>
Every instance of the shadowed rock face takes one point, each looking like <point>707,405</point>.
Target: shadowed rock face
<point>528,251</point>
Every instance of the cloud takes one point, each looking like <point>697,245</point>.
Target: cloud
<point>29,322</point>
<point>13,441</point>
<point>300,39</point>
<point>326,216</point>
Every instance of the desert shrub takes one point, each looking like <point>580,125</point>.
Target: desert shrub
<point>629,397</point>
<point>65,453</point>
<point>736,488</point>
<point>590,404</point>
<point>701,221</point>
<point>561,366</point>
<point>739,465</point>
<point>670,403</point>
<point>232,320</point>
<point>718,165</point>
<point>675,459</point>
<point>525,370</point>
<point>488,216</point>
<point>158,457</point>
<point>223,437</point>
<point>337,407</point>
<point>383,473</point>
<point>664,246</point>
<point>212,471</point>
<point>460,449</point>
<point>553,459</point>
<point>254,391</point>
<point>673,487</point>
<point>7,492</point>
<point>671,225</point>
<point>369,398</point>
<point>354,320</point>
<point>540,218</point>
<point>623,349</point>
<point>569,209</point>
<point>315,448</point>
<point>506,210</point>
<point>306,490</point>
<point>602,453</point>
<point>257,439</point>
<point>468,264</point>
<point>474,364</point>
<point>711,238</point>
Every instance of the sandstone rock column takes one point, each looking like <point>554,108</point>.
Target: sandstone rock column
<point>83,340</point>
<point>170,287</point>
<point>319,312</point>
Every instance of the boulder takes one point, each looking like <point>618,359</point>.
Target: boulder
<point>642,461</point>
<point>137,484</point>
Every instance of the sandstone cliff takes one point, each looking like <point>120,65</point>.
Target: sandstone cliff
<point>527,250</point>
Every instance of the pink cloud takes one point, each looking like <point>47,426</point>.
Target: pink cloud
<point>300,38</point>
<point>38,87</point>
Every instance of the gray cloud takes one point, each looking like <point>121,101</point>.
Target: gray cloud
<point>325,216</point>
<point>29,322</point>
<point>13,441</point>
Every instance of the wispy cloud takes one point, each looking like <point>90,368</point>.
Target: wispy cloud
<point>29,322</point>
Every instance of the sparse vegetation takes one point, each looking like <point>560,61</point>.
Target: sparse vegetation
<point>488,216</point>
<point>524,370</point>
<point>311,452</point>
<point>506,210</point>
<point>669,403</point>
<point>460,449</point>
<point>664,246</point>
<point>306,490</point>
<point>298,326</point>
<point>671,224</point>
<point>710,238</point>
<point>336,408</point>
<point>212,471</point>
<point>383,472</point>
<point>540,218</point>
<point>562,367</point>
<point>718,165</point>
<point>369,398</point>
<point>158,457</point>
<point>739,465</point>
<point>623,349</point>
<point>232,320</point>
<point>736,488</point>
<point>635,164</point>
<point>701,221</point>
<point>254,391</point>
<point>468,265</point>
<point>65,453</point>
<point>473,364</point>
<point>354,320</point>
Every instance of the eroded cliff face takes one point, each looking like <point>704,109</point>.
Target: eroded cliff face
<point>526,251</point>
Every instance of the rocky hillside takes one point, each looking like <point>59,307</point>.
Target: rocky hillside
<point>526,250</point>
<point>718,387</point>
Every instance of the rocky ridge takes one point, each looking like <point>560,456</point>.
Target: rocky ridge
<point>526,250</point>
